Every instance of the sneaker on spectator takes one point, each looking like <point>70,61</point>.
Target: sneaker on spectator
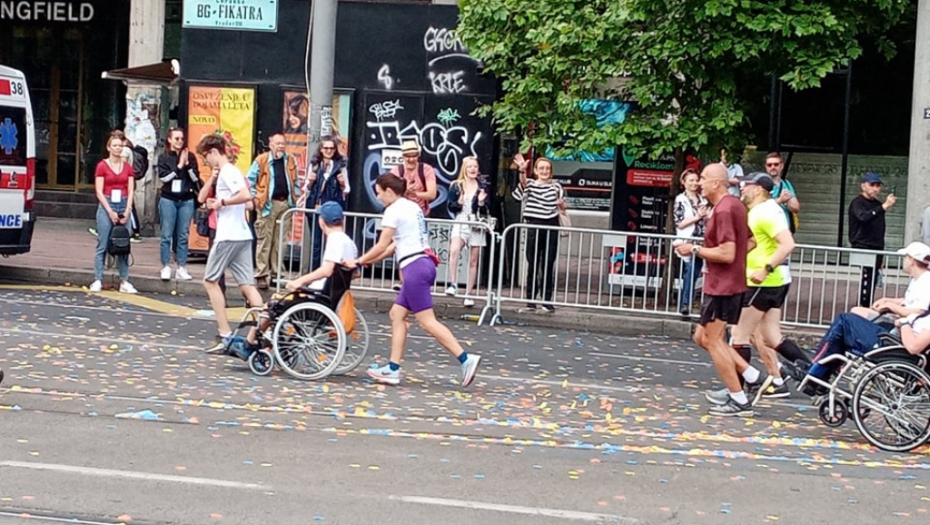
<point>776,392</point>
<point>468,302</point>
<point>182,274</point>
<point>731,408</point>
<point>384,374</point>
<point>165,273</point>
<point>548,309</point>
<point>717,397</point>
<point>754,390</point>
<point>469,367</point>
<point>135,238</point>
<point>396,287</point>
<point>92,231</point>
<point>96,286</point>
<point>127,287</point>
<point>451,290</point>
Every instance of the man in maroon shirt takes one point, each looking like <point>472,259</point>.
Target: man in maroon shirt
<point>724,252</point>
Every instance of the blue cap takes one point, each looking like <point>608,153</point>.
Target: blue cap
<point>331,212</point>
<point>872,178</point>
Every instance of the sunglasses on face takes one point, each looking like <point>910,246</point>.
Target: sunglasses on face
<point>772,164</point>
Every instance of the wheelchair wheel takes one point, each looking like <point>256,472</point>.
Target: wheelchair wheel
<point>309,341</point>
<point>837,417</point>
<point>891,406</point>
<point>261,362</point>
<point>357,346</point>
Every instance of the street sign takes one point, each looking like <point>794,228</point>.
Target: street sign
<point>239,15</point>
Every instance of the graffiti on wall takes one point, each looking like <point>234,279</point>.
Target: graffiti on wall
<point>448,58</point>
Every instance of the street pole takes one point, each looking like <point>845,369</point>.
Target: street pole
<point>322,56</point>
<point>918,164</point>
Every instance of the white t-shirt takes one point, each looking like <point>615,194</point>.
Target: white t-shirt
<point>917,294</point>
<point>339,247</point>
<point>411,234</point>
<point>230,219</point>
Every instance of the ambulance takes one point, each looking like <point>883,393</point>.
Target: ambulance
<point>17,163</point>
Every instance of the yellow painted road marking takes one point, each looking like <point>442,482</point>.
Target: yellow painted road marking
<point>148,303</point>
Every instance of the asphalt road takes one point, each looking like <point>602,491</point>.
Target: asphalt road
<point>110,414</point>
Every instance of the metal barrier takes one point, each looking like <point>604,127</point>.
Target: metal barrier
<point>637,272</point>
<point>300,249</point>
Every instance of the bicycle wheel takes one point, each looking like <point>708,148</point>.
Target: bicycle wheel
<point>309,341</point>
<point>357,347</point>
<point>891,406</point>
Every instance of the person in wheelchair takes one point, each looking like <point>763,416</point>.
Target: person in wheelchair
<point>916,296</point>
<point>851,333</point>
<point>339,247</point>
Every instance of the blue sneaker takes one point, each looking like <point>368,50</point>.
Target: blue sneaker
<point>469,367</point>
<point>384,374</point>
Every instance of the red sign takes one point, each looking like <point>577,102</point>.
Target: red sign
<point>5,87</point>
<point>649,178</point>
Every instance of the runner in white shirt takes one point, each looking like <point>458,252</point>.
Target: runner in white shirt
<point>232,248</point>
<point>405,235</point>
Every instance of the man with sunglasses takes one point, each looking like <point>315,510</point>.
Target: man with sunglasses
<point>783,191</point>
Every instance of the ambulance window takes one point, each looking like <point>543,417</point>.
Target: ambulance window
<point>12,136</point>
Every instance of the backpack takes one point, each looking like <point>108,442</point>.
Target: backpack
<point>118,242</point>
<point>140,162</point>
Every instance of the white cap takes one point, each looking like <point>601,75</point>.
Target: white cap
<point>918,251</point>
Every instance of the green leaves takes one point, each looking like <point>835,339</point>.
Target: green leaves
<point>681,61</point>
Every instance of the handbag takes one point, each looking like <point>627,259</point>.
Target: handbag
<point>564,221</point>
<point>118,242</point>
<point>202,220</point>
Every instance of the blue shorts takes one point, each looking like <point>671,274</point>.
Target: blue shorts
<point>419,278</point>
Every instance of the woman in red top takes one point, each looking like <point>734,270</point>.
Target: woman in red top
<point>114,183</point>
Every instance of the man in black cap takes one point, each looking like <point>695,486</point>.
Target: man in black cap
<point>867,214</point>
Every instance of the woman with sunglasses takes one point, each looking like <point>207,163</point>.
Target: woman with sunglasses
<point>327,181</point>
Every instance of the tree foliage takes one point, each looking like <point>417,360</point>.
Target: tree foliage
<point>683,62</point>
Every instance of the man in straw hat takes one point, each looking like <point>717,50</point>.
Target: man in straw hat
<point>420,177</point>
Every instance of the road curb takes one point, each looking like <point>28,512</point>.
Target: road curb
<point>619,323</point>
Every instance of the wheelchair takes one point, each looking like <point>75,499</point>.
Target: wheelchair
<point>885,391</point>
<point>306,338</point>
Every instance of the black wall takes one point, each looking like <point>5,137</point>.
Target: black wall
<point>385,53</point>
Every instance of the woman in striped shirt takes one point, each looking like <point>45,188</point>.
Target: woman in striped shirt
<point>542,199</point>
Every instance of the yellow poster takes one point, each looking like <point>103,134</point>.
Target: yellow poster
<point>229,111</point>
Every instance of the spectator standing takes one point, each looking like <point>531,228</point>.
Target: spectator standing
<point>542,199</point>
<point>925,226</point>
<point>420,177</point>
<point>867,214</point>
<point>177,170</point>
<point>327,181</point>
<point>783,191</point>
<point>273,182</point>
<point>690,212</point>
<point>114,184</point>
<point>734,173</point>
<point>468,200</point>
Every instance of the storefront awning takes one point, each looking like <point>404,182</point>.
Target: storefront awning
<point>163,73</point>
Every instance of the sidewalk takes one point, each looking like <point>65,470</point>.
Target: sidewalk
<point>63,254</point>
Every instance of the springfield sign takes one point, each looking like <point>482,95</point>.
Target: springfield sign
<point>240,15</point>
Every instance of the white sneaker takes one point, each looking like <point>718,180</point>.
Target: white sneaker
<point>126,287</point>
<point>182,274</point>
<point>165,273</point>
<point>96,286</point>
<point>468,302</point>
<point>451,290</point>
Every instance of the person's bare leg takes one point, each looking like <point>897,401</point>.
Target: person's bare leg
<point>766,337</point>
<point>439,331</point>
<point>398,316</point>
<point>720,353</point>
<point>218,302</point>
<point>455,247</point>
<point>473,259</point>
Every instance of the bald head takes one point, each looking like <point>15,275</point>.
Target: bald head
<point>714,182</point>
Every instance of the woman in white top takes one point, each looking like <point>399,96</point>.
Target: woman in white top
<point>468,199</point>
<point>405,235</point>
<point>690,211</point>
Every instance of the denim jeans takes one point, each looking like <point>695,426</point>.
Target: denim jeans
<point>689,273</point>
<point>175,220</point>
<point>104,225</point>
<point>848,332</point>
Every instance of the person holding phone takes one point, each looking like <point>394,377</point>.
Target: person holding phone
<point>867,217</point>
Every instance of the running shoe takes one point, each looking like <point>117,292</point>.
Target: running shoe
<point>776,392</point>
<point>92,231</point>
<point>96,286</point>
<point>468,302</point>
<point>717,397</point>
<point>219,346</point>
<point>731,408</point>
<point>451,290</point>
<point>182,274</point>
<point>127,287</point>
<point>469,367</point>
<point>384,374</point>
<point>754,390</point>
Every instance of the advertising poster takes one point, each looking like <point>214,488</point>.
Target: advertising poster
<point>295,117</point>
<point>229,111</point>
